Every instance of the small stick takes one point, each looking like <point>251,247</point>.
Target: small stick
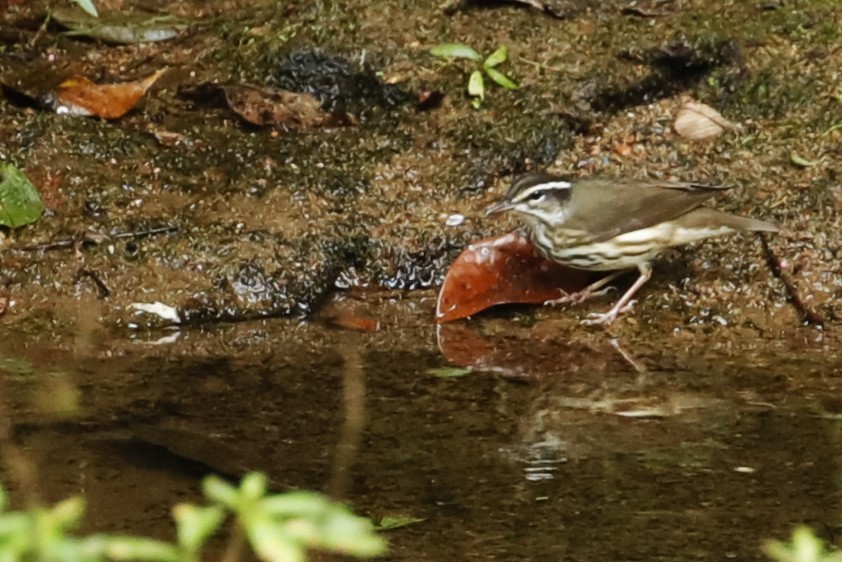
<point>810,315</point>
<point>95,238</point>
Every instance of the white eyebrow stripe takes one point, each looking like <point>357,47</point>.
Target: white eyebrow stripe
<point>543,187</point>
<point>555,185</point>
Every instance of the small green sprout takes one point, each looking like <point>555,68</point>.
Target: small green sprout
<point>804,547</point>
<point>476,82</point>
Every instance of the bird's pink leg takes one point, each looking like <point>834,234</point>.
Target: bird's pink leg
<point>590,291</point>
<point>623,305</point>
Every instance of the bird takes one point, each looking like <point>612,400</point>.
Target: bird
<point>615,224</point>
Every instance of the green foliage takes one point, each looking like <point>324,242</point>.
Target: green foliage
<point>455,51</point>
<point>804,547</point>
<point>476,82</point>
<point>448,372</point>
<point>20,203</point>
<point>282,527</point>
<point>88,6</point>
<point>390,522</point>
<point>279,528</point>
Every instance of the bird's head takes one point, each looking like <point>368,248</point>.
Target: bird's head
<point>537,197</point>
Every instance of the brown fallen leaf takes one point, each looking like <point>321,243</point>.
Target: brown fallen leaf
<point>80,96</point>
<point>280,108</point>
<point>697,121</point>
<point>503,270</point>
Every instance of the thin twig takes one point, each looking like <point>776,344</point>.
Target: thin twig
<point>43,28</point>
<point>94,238</point>
<point>809,315</point>
<point>104,291</point>
<point>145,233</point>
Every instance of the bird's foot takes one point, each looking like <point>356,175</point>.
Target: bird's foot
<point>578,297</point>
<point>606,318</point>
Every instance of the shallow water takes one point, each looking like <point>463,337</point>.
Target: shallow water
<point>560,446</point>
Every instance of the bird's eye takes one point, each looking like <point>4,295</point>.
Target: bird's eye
<point>538,197</point>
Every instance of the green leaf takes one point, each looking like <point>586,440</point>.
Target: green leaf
<point>342,531</point>
<point>15,527</point>
<point>68,513</point>
<point>476,85</point>
<point>456,51</point>
<point>20,203</point>
<point>497,57</point>
<point>119,28</point>
<point>218,490</point>
<point>389,522</point>
<point>501,78</point>
<point>296,504</point>
<point>120,547</point>
<point>196,524</point>
<point>804,547</point>
<point>448,372</point>
<point>799,160</point>
<point>88,6</point>
<point>272,544</point>
<point>253,486</point>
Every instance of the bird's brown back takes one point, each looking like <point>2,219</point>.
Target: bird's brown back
<point>607,208</point>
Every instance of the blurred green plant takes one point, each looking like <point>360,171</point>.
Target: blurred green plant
<point>279,528</point>
<point>20,203</point>
<point>804,547</point>
<point>476,82</point>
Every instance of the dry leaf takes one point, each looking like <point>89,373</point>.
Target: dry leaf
<point>502,270</point>
<point>697,121</point>
<point>80,96</point>
<point>280,108</point>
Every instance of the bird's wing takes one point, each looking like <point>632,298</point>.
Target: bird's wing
<point>608,208</point>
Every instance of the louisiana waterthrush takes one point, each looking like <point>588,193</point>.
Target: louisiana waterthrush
<point>616,225</point>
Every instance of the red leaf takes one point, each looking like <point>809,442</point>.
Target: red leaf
<point>503,270</point>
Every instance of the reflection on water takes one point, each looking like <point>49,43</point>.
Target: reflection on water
<point>558,447</point>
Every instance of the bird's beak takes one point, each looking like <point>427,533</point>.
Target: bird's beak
<point>498,208</point>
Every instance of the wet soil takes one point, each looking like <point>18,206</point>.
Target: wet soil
<point>694,428</point>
